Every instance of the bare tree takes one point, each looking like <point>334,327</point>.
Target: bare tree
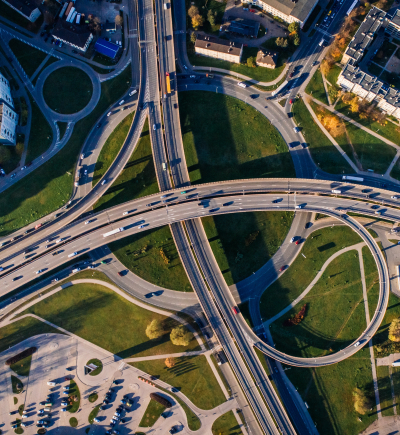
<point>118,20</point>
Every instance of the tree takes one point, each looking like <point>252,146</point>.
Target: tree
<point>296,39</point>
<point>294,27</point>
<point>285,43</point>
<point>394,330</point>
<point>279,42</point>
<point>154,329</point>
<point>193,37</point>
<point>211,17</point>
<point>326,66</point>
<point>180,336</point>
<point>170,362</point>
<point>193,11</point>
<point>197,21</point>
<point>363,402</point>
<point>118,20</point>
<point>251,61</point>
<point>5,154</point>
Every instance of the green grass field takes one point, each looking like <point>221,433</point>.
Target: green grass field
<point>15,384</point>
<point>97,363</point>
<point>11,156</point>
<point>335,313</point>
<point>75,394</point>
<point>108,320</point>
<point>242,144</point>
<point>385,391</point>
<point>140,253</point>
<point>22,367</point>
<point>319,246</point>
<point>15,332</point>
<point>93,414</point>
<point>29,57</point>
<point>50,186</point>
<point>192,376</point>
<point>152,414</point>
<point>111,148</point>
<point>389,131</point>
<point>68,81</point>
<point>315,87</point>
<point>137,179</point>
<point>258,235</point>
<point>328,392</point>
<point>333,74</point>
<point>324,154</point>
<point>41,136</point>
<point>372,152</point>
<point>48,63</point>
<point>226,424</point>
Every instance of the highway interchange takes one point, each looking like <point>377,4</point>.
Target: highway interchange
<point>157,56</point>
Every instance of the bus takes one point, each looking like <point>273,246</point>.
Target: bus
<point>168,82</point>
<point>350,178</point>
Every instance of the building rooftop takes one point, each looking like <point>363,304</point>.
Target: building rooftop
<point>26,7</point>
<point>107,48</point>
<point>242,27</point>
<point>396,17</point>
<point>298,9</point>
<point>365,34</point>
<point>267,57</point>
<point>216,44</point>
<point>372,84</point>
<point>76,34</point>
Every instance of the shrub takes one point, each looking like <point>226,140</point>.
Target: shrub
<point>394,330</point>
<point>154,329</point>
<point>160,399</point>
<point>363,402</point>
<point>27,352</point>
<point>297,318</point>
<point>170,362</point>
<point>180,336</point>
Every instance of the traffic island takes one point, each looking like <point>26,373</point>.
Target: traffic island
<point>67,81</point>
<point>93,367</point>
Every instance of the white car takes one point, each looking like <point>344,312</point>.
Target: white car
<point>40,271</point>
<point>97,420</point>
<point>109,113</point>
<point>57,241</point>
<point>292,240</point>
<point>132,92</point>
<point>140,226</point>
<point>395,197</point>
<point>184,66</point>
<point>357,344</point>
<point>87,222</point>
<point>64,404</point>
<point>103,182</point>
<point>296,129</point>
<point>121,102</point>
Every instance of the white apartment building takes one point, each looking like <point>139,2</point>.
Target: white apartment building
<point>223,49</point>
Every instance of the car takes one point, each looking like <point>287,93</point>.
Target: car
<point>23,167</point>
<point>109,432</point>
<point>297,242</point>
<point>40,412</point>
<point>123,401</point>
<point>87,222</point>
<point>184,66</point>
<point>132,92</point>
<point>291,75</point>
<point>24,424</point>
<point>103,182</point>
<point>98,125</point>
<point>117,414</point>
<point>121,102</point>
<point>17,278</point>
<point>282,268</point>
<point>154,127</point>
<point>121,273</point>
<point>291,101</point>
<point>395,197</point>
<point>41,422</point>
<point>192,77</point>
<point>277,200</point>
<point>97,420</point>
<point>13,175</point>
<point>374,207</point>
<point>174,390</point>
<point>141,226</point>
<point>116,432</point>
<point>54,280</point>
<point>357,344</point>
<point>292,239</point>
<point>61,44</point>
<point>105,402</point>
<point>296,129</point>
<point>183,193</point>
<point>39,271</point>
<point>173,429</point>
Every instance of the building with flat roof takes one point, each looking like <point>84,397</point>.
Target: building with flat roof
<point>8,125</point>
<point>266,58</point>
<point>393,24</point>
<point>239,26</point>
<point>211,46</point>
<point>76,35</point>
<point>8,117</point>
<point>364,36</point>
<point>288,10</point>
<point>369,87</point>
<point>27,8</point>
<point>107,48</point>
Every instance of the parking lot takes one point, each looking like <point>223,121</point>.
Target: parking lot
<point>122,396</point>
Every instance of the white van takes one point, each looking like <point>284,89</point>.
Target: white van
<point>52,384</point>
<point>242,85</point>
<point>164,167</point>
<point>72,255</point>
<point>132,92</point>
<point>76,270</point>
<point>121,102</point>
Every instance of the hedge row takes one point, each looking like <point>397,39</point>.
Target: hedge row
<point>162,400</point>
<point>27,352</point>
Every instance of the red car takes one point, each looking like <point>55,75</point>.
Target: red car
<point>282,268</point>
<point>297,242</point>
<point>252,10</point>
<point>291,101</point>
<point>120,273</point>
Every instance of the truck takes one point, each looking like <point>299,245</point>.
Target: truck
<point>168,81</point>
<point>72,255</point>
<point>110,233</point>
<point>351,178</point>
<point>164,167</point>
<point>337,191</point>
